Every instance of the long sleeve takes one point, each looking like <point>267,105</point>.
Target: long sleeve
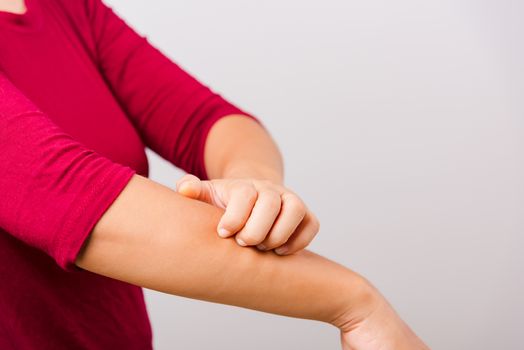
<point>53,188</point>
<point>171,109</point>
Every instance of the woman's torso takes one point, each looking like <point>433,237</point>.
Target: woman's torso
<point>49,55</point>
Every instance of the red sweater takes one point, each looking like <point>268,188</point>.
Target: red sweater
<point>81,95</point>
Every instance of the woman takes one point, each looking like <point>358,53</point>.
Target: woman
<point>83,228</point>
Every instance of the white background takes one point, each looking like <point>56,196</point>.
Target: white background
<point>402,125</point>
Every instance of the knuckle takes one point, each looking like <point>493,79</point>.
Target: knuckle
<point>246,190</point>
<point>315,223</point>
<point>251,238</point>
<point>295,204</point>
<point>271,245</point>
<point>272,200</point>
<point>300,246</point>
<point>265,183</point>
<point>280,241</point>
<point>232,222</point>
<point>276,240</point>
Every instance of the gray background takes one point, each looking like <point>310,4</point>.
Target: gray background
<point>401,123</point>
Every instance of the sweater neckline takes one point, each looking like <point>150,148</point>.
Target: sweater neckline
<point>22,21</point>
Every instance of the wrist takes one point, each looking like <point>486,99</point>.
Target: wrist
<point>374,321</point>
<point>362,300</point>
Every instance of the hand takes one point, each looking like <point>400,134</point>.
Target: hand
<point>258,212</point>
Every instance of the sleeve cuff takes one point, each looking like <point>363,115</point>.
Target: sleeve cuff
<point>87,211</point>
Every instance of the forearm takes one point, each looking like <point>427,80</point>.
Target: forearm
<point>155,238</point>
<point>237,146</point>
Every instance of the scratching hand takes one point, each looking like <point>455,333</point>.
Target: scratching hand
<point>258,212</point>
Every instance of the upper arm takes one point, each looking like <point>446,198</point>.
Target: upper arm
<point>170,108</point>
<point>53,188</point>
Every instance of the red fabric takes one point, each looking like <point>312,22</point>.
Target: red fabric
<point>81,96</point>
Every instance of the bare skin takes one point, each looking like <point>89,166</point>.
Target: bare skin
<point>153,237</point>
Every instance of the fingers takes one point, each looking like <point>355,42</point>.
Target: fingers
<point>305,232</point>
<point>192,187</point>
<point>292,212</point>
<point>259,213</point>
<point>189,185</point>
<point>262,217</point>
<point>241,201</point>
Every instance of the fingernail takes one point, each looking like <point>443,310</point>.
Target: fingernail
<point>241,242</point>
<point>261,247</point>
<point>222,232</point>
<point>281,250</point>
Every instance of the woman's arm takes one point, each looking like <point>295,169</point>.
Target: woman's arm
<point>239,146</point>
<point>246,168</point>
<point>153,237</point>
<point>170,108</point>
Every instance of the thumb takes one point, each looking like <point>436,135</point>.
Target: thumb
<point>190,186</point>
